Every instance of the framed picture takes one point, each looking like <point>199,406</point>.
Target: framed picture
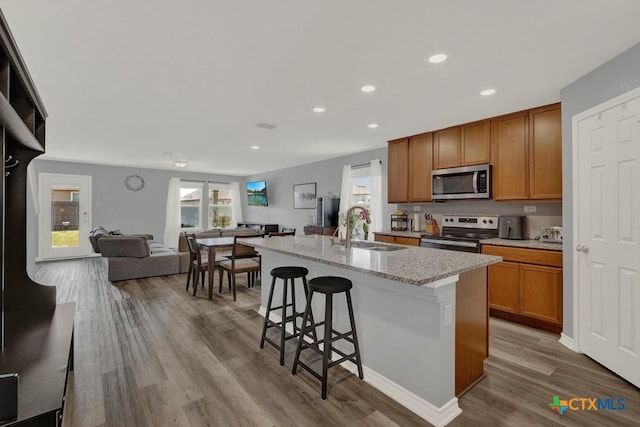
<point>304,196</point>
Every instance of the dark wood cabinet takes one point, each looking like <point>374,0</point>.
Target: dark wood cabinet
<point>36,333</point>
<point>527,286</point>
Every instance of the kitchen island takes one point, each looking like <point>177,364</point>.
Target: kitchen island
<point>421,314</point>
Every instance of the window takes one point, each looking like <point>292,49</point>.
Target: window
<point>361,186</point>
<point>190,204</point>
<point>220,206</point>
<point>205,205</point>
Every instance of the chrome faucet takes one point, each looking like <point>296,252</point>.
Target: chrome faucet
<point>347,240</point>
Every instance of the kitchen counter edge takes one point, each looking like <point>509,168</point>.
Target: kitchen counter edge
<point>529,244</point>
<point>406,266</point>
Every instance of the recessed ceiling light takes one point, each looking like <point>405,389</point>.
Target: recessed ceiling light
<point>368,88</point>
<point>373,125</point>
<point>180,163</point>
<point>255,147</point>
<point>438,58</point>
<point>488,92</point>
<point>318,110</point>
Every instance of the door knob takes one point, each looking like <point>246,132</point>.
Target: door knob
<point>582,248</point>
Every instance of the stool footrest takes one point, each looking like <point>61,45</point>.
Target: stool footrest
<point>308,369</point>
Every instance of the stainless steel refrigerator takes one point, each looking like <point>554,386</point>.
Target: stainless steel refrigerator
<point>327,211</point>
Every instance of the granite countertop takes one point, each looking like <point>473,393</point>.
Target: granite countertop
<point>530,244</point>
<point>411,265</point>
<point>414,234</point>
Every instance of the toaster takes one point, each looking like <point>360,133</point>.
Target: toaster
<point>551,234</point>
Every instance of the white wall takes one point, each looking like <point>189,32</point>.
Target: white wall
<point>113,206</point>
<point>618,76</point>
<point>326,174</point>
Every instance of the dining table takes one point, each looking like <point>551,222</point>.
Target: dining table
<point>212,244</point>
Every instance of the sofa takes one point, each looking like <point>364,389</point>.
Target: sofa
<point>134,257</point>
<point>98,232</point>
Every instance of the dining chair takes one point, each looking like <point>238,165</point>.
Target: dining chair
<point>284,232</point>
<point>197,265</point>
<point>243,259</point>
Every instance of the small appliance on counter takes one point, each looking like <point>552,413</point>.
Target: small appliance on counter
<point>511,227</point>
<point>415,222</point>
<point>551,234</point>
<point>399,221</point>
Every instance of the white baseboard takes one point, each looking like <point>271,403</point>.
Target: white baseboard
<point>438,416</point>
<point>568,342</point>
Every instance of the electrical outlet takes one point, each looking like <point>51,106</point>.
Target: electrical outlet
<point>530,209</point>
<point>416,208</point>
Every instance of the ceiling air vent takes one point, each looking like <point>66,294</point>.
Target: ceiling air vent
<point>266,125</point>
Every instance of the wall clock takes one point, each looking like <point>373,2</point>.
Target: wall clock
<point>134,182</point>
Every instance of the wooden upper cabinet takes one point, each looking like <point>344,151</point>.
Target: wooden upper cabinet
<point>510,156</point>
<point>398,171</point>
<point>475,143</point>
<point>446,148</point>
<point>545,153</point>
<point>420,166</point>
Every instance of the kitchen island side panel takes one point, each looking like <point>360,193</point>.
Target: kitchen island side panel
<point>406,332</point>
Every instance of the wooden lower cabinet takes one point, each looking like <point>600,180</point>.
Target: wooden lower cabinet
<point>541,293</point>
<point>504,289</point>
<point>398,240</point>
<point>472,329</point>
<point>524,290</point>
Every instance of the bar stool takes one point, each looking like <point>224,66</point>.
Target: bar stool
<point>288,275</point>
<point>328,285</point>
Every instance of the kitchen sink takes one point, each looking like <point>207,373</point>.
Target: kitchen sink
<point>385,248</point>
<point>371,246</point>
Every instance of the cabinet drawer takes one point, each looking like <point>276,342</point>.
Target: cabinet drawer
<point>528,256</point>
<point>399,240</point>
<point>383,238</point>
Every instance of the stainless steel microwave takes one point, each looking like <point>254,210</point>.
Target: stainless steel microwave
<point>468,182</point>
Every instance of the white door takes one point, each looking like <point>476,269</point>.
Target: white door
<point>607,212</point>
<point>65,215</point>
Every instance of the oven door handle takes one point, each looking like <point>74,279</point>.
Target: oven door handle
<point>451,243</point>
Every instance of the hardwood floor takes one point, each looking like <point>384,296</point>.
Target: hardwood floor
<point>150,354</point>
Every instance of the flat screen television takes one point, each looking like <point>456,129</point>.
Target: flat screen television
<point>257,193</point>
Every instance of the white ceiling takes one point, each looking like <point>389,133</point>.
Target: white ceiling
<point>126,81</point>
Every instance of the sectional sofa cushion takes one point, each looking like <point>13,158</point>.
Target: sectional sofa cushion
<point>124,246</point>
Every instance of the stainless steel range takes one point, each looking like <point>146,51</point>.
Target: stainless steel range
<point>462,233</point>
